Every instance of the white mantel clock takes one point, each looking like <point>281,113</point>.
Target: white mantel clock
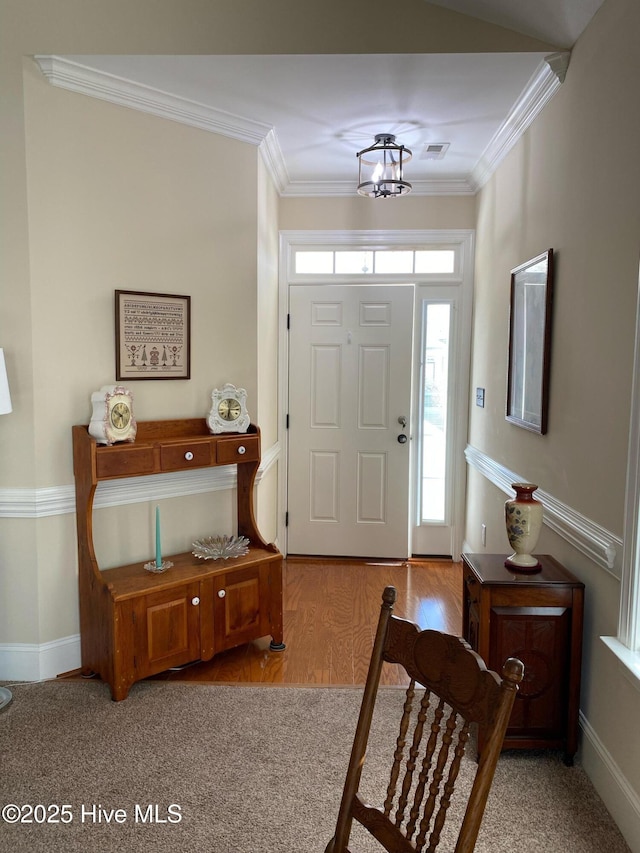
<point>112,417</point>
<point>228,410</point>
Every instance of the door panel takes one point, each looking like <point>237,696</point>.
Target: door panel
<point>166,627</point>
<point>241,606</point>
<point>326,365</point>
<point>350,368</point>
<point>372,487</point>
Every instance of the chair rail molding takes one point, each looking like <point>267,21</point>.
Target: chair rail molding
<point>61,500</point>
<point>593,540</point>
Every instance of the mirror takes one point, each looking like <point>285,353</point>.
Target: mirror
<point>530,343</point>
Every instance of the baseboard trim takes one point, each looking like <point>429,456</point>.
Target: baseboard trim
<point>32,662</point>
<point>612,786</point>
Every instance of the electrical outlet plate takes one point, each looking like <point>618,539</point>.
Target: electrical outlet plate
<point>480,397</point>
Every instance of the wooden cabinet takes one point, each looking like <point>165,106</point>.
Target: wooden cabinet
<point>536,617</point>
<point>134,623</point>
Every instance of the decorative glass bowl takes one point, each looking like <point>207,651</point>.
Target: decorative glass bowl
<point>220,547</point>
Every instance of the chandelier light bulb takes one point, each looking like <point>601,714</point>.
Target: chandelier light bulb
<point>380,168</point>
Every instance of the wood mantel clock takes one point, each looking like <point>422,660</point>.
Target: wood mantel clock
<point>134,623</point>
<point>537,618</point>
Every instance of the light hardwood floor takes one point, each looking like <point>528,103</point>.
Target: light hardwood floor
<point>331,609</point>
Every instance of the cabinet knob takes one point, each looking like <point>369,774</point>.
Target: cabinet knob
<point>242,449</point>
<point>188,456</point>
<point>195,600</point>
<point>221,593</point>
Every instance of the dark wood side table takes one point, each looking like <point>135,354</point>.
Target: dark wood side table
<point>536,617</point>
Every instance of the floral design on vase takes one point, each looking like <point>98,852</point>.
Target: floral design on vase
<point>523,517</point>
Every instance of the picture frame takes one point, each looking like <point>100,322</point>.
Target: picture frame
<point>152,335</point>
<point>530,343</point>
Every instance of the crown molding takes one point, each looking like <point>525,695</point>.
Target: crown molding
<point>76,77</point>
<point>273,160</point>
<point>544,83</point>
<point>319,189</point>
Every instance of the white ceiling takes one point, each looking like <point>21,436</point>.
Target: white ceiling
<point>314,112</point>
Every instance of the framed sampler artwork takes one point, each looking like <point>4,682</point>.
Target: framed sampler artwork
<point>530,343</point>
<point>153,336</point>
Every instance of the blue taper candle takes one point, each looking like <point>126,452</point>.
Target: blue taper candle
<point>158,548</point>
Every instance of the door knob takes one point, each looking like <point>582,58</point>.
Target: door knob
<point>402,438</point>
<point>402,421</point>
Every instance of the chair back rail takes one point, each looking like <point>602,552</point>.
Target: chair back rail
<point>450,690</point>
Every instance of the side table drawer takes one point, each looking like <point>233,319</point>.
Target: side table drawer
<point>240,448</point>
<point>179,456</point>
<point>124,461</point>
<point>526,596</point>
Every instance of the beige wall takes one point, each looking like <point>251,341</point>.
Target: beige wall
<point>357,213</point>
<point>558,188</point>
<point>142,194</point>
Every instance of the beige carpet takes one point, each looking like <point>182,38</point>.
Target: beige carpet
<point>186,767</point>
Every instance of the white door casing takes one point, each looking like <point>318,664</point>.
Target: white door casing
<point>350,363</point>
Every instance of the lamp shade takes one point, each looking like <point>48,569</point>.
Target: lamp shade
<point>5,396</point>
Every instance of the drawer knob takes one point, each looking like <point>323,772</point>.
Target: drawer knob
<point>221,593</point>
<point>195,600</point>
<point>242,450</point>
<point>188,456</point>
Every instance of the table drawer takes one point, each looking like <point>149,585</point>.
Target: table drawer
<point>182,455</point>
<point>240,448</point>
<point>532,597</point>
<point>124,461</point>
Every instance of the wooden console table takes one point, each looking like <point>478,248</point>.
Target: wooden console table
<point>536,617</point>
<point>135,623</point>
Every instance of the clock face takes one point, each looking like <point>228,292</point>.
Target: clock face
<point>120,416</point>
<point>229,409</point>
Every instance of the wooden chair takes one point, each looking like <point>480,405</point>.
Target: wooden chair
<point>459,691</point>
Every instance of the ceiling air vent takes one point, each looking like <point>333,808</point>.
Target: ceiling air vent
<point>435,151</point>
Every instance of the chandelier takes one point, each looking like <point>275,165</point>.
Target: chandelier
<point>380,168</point>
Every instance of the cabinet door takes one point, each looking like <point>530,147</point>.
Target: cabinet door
<point>165,629</point>
<point>241,606</point>
<point>539,636</point>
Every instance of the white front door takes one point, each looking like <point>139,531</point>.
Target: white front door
<point>350,362</point>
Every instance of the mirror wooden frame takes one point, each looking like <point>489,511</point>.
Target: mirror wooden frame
<point>530,343</point>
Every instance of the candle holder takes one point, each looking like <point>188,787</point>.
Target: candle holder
<point>152,566</point>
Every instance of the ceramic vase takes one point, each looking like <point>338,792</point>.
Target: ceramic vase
<point>523,517</point>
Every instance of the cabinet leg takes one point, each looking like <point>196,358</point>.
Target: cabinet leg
<point>120,692</point>
<point>276,647</point>
<point>568,759</point>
